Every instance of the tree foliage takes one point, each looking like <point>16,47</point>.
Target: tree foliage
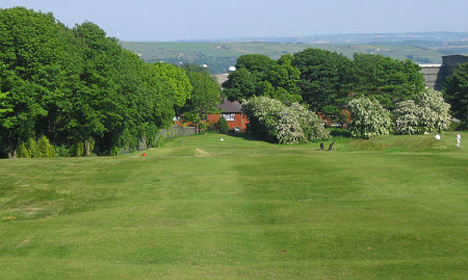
<point>428,114</point>
<point>222,125</point>
<point>178,81</point>
<point>78,86</point>
<point>258,75</point>
<point>205,96</point>
<point>456,92</point>
<point>368,118</point>
<point>407,117</point>
<point>385,79</point>
<point>435,112</point>
<point>324,80</point>
<point>277,122</point>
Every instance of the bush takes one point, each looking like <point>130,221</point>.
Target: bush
<point>407,117</point>
<point>32,147</point>
<point>77,149</point>
<point>222,125</point>
<point>44,147</point>
<point>62,151</point>
<point>114,151</point>
<point>369,118</point>
<point>435,112</point>
<point>428,114</point>
<point>23,151</point>
<point>40,149</point>
<point>275,121</point>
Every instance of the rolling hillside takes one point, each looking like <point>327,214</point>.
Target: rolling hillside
<point>219,56</point>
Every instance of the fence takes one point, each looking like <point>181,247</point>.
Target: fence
<point>171,132</point>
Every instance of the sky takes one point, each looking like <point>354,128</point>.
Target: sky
<point>174,20</point>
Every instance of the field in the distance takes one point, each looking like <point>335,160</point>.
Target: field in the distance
<point>219,56</point>
<point>393,207</point>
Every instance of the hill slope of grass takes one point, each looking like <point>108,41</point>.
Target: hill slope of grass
<point>219,56</point>
<point>199,208</point>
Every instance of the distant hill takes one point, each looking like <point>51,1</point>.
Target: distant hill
<point>358,38</point>
<point>222,53</point>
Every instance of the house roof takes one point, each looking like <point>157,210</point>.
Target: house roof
<point>230,107</point>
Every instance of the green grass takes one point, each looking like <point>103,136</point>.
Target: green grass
<point>393,207</point>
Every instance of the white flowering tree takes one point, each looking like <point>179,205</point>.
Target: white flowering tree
<point>288,128</point>
<point>369,118</point>
<point>428,114</point>
<point>311,124</point>
<point>277,122</point>
<point>435,112</point>
<point>407,115</point>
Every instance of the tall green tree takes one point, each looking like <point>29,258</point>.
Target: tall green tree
<point>78,87</point>
<point>386,79</point>
<point>178,81</point>
<point>205,97</point>
<point>456,92</point>
<point>258,75</point>
<point>324,81</point>
<point>34,57</point>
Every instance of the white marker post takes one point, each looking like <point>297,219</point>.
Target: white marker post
<point>459,140</point>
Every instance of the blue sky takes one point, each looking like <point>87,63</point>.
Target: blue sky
<point>171,20</point>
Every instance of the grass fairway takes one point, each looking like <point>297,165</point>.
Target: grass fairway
<point>389,208</point>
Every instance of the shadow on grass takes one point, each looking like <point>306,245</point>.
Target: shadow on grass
<point>250,136</point>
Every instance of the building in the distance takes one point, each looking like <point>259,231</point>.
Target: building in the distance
<point>435,74</point>
<point>232,112</point>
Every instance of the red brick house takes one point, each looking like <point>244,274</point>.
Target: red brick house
<point>232,112</point>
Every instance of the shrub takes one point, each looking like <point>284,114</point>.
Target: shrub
<point>407,117</point>
<point>275,121</point>
<point>114,151</point>
<point>222,125</point>
<point>203,126</point>
<point>312,126</point>
<point>288,128</point>
<point>368,118</point>
<point>428,114</point>
<point>44,147</point>
<point>62,151</point>
<point>77,149</point>
<point>23,151</point>
<point>32,147</point>
<point>435,112</point>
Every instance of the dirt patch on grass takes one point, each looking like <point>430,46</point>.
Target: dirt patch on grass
<point>201,153</point>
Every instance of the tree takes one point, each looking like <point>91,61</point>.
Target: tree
<point>407,117</point>
<point>205,97</point>
<point>34,70</point>
<point>258,75</point>
<point>456,92</point>
<point>324,80</point>
<point>385,79</point>
<point>78,87</point>
<point>222,125</point>
<point>368,118</point>
<point>276,122</point>
<point>435,112</point>
<point>177,80</point>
